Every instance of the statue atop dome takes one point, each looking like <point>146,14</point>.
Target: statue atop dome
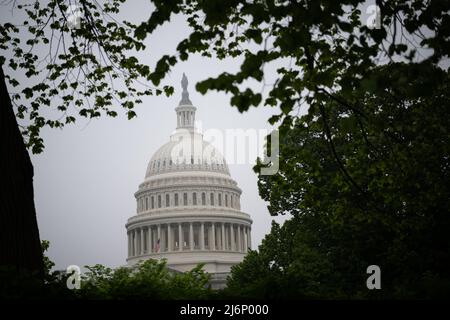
<point>185,95</point>
<point>184,82</point>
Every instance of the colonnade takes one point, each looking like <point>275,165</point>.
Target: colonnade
<point>215,198</point>
<point>188,236</point>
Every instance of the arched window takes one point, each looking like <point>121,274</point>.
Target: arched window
<point>194,198</point>
<point>203,198</point>
<point>176,199</point>
<point>211,200</point>
<point>159,201</point>
<point>220,199</point>
<point>185,202</point>
<point>167,200</point>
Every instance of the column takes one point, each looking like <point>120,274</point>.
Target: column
<point>149,240</point>
<point>233,247</point>
<point>239,244</point>
<point>180,238</point>
<point>134,242</point>
<point>129,244</point>
<point>142,242</point>
<point>202,236</point>
<point>191,236</point>
<point>245,240</point>
<point>147,243</point>
<point>213,226</point>
<point>223,237</point>
<point>169,238</point>
<point>159,237</point>
<point>138,242</point>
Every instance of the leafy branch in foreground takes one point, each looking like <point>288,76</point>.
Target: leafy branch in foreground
<point>314,46</point>
<point>58,71</point>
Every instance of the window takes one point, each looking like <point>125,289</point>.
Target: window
<point>176,199</point>
<point>211,200</point>
<point>226,200</point>
<point>153,202</point>
<point>167,200</point>
<point>159,201</point>
<point>146,203</point>
<point>220,199</point>
<point>194,199</point>
<point>231,201</point>
<point>203,198</point>
<point>185,199</point>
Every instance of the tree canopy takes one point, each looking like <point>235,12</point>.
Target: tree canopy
<point>394,212</point>
<point>327,45</point>
<point>59,70</point>
<point>150,279</point>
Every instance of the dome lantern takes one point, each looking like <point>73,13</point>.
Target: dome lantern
<point>185,110</point>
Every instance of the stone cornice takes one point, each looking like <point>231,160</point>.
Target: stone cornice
<point>190,177</point>
<point>192,216</point>
<point>187,187</point>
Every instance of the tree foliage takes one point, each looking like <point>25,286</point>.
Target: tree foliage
<point>58,70</point>
<point>327,45</point>
<point>148,280</point>
<point>394,212</point>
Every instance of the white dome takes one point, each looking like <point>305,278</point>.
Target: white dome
<point>195,155</point>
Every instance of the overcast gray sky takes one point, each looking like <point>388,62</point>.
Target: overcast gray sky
<point>85,179</point>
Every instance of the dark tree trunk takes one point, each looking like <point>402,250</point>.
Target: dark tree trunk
<point>20,246</point>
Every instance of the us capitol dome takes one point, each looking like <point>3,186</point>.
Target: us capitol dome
<point>188,206</point>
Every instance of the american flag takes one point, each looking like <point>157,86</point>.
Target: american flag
<point>157,246</point>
